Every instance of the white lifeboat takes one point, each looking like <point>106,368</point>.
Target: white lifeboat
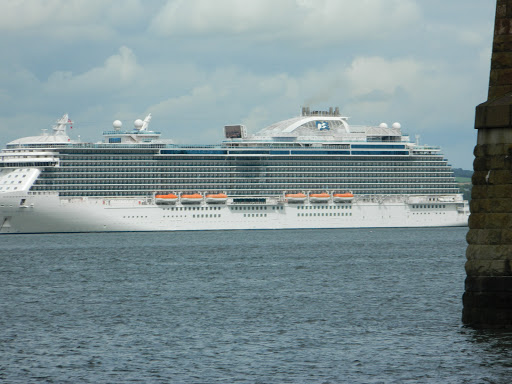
<point>295,197</point>
<point>166,199</point>
<point>216,198</point>
<point>194,198</point>
<point>319,197</point>
<point>342,197</point>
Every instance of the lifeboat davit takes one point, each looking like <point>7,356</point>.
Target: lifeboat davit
<point>342,197</point>
<point>170,198</point>
<point>295,197</point>
<point>194,198</point>
<point>319,197</point>
<point>216,198</point>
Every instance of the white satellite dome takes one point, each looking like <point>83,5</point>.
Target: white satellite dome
<point>383,125</point>
<point>117,125</point>
<point>138,124</point>
<point>397,125</point>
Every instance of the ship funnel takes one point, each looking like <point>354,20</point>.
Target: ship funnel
<point>146,123</point>
<point>60,127</point>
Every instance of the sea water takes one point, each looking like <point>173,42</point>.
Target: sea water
<point>288,306</point>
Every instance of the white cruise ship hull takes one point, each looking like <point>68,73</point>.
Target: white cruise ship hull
<point>311,171</point>
<point>49,213</point>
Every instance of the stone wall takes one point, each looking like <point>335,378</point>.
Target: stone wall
<point>500,80</point>
<point>488,288</point>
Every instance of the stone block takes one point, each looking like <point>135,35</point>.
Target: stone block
<point>503,26</point>
<point>499,115</point>
<point>477,220</point>
<point>495,135</point>
<point>489,236</point>
<point>480,318</point>
<point>501,11</point>
<point>506,237</point>
<point>496,300</point>
<point>502,43</point>
<point>496,162</point>
<point>488,284</point>
<point>498,177</point>
<point>493,191</point>
<point>489,252</point>
<point>486,267</point>
<point>497,220</point>
<point>496,205</point>
<point>472,236</point>
<point>497,191</point>
<point>480,113</point>
<point>501,77</point>
<point>495,92</point>
<point>497,149</point>
<point>507,161</point>
<point>480,205</point>
<point>479,191</point>
<point>500,191</point>
<point>479,150</point>
<point>499,205</point>
<point>501,60</point>
<point>479,251</point>
<point>484,236</point>
<point>480,164</point>
<point>480,177</point>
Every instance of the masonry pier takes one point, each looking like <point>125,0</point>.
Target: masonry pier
<point>488,287</point>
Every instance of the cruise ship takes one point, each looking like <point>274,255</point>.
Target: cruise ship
<point>312,171</point>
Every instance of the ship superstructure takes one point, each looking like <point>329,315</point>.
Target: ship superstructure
<point>312,171</point>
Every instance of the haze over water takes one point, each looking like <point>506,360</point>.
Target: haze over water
<point>305,306</point>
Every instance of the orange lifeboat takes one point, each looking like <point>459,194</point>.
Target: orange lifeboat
<point>295,197</point>
<point>170,198</point>
<point>343,197</point>
<point>194,198</point>
<point>216,198</point>
<point>319,197</point>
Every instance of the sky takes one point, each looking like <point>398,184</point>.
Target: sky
<point>197,65</point>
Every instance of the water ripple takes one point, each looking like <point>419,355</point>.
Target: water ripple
<point>322,306</point>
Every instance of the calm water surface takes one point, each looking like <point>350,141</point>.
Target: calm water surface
<point>308,306</point>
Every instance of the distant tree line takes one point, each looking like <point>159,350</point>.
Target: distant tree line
<point>459,172</point>
<point>465,188</point>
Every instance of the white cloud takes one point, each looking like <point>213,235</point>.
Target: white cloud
<point>370,74</point>
<point>118,72</point>
<point>189,103</point>
<point>323,21</point>
<point>69,19</point>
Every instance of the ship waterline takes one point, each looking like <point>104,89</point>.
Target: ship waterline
<point>312,171</point>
